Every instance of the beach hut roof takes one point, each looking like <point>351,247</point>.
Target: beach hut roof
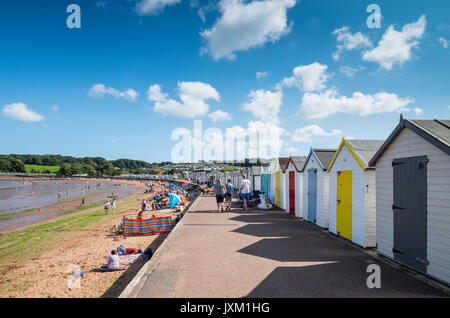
<point>323,156</point>
<point>297,161</point>
<point>256,170</point>
<point>436,132</point>
<point>283,163</point>
<point>362,150</point>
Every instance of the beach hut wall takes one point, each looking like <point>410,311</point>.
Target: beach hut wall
<point>352,191</point>
<point>316,186</point>
<point>413,196</point>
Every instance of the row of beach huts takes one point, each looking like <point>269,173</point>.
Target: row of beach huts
<point>392,195</point>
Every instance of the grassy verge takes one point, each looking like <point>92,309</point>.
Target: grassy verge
<point>41,169</point>
<point>31,242</point>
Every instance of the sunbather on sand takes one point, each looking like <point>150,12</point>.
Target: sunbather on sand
<point>113,260</point>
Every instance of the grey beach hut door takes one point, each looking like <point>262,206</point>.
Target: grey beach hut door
<point>410,212</point>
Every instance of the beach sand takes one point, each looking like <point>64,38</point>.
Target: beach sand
<point>86,249</point>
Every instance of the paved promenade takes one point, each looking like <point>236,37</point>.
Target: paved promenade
<point>266,254</point>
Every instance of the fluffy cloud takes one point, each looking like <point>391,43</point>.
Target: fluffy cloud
<point>395,46</point>
<point>193,96</point>
<point>20,111</point>
<point>100,90</point>
<point>348,71</point>
<point>330,102</point>
<point>309,78</point>
<point>264,104</point>
<point>444,42</point>
<point>149,7</point>
<point>261,75</point>
<point>245,25</point>
<point>349,41</point>
<point>305,134</point>
<point>219,115</point>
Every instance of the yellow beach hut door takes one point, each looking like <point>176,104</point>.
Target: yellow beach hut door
<point>344,204</point>
<point>278,189</point>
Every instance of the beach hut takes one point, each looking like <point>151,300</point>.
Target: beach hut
<point>283,183</point>
<point>316,186</point>
<point>294,185</point>
<point>352,191</point>
<point>294,181</point>
<point>264,180</point>
<point>256,174</point>
<point>413,196</point>
<point>275,182</point>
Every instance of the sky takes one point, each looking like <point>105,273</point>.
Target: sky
<point>136,72</point>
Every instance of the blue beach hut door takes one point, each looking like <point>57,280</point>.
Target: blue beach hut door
<point>312,195</point>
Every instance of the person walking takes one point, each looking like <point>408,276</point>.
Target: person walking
<point>106,207</point>
<point>246,188</point>
<point>229,195</point>
<point>144,205</point>
<point>219,195</point>
<point>113,205</point>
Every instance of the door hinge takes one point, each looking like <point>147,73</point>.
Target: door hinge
<point>397,207</point>
<point>397,251</point>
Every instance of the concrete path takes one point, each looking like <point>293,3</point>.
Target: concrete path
<point>266,254</point>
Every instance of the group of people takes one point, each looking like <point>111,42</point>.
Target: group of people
<point>109,205</point>
<point>225,192</point>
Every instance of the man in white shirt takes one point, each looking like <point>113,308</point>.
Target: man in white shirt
<point>246,188</point>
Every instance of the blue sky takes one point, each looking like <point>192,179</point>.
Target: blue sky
<point>136,70</point>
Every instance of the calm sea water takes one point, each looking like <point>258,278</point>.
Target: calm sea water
<point>20,196</point>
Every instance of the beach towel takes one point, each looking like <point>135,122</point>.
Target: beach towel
<point>160,225</point>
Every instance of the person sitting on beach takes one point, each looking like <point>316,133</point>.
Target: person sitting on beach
<point>140,214</point>
<point>113,260</point>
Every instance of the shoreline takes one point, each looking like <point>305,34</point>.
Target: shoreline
<point>63,208</point>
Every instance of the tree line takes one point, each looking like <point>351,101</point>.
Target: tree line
<point>69,166</point>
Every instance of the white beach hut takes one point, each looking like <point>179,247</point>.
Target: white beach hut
<point>413,196</point>
<point>316,186</point>
<point>352,191</point>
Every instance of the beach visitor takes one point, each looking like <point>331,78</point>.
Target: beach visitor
<point>246,188</point>
<point>144,205</point>
<point>106,206</point>
<point>220,192</point>
<point>113,205</point>
<point>140,214</point>
<point>113,260</point>
<point>229,194</point>
<point>83,201</point>
<point>59,195</point>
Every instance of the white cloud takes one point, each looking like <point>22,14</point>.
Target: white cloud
<point>330,102</point>
<point>115,140</point>
<point>149,7</point>
<point>395,46</point>
<point>349,41</point>
<point>309,78</point>
<point>100,90</point>
<point>417,110</point>
<point>245,25</point>
<point>444,42</point>
<point>193,96</point>
<point>261,75</point>
<point>292,150</point>
<point>348,71</point>
<point>55,108</point>
<point>264,104</point>
<point>20,111</point>
<point>219,115</point>
<point>305,134</point>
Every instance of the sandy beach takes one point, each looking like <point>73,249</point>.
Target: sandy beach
<point>38,260</point>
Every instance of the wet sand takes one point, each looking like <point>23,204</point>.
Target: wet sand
<point>87,249</point>
<point>34,201</point>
